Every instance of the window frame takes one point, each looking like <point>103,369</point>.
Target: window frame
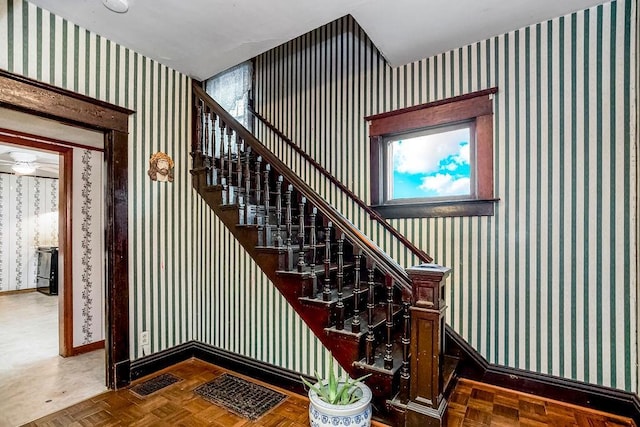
<point>476,108</point>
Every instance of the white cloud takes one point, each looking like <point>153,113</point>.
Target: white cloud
<point>423,154</point>
<point>446,185</point>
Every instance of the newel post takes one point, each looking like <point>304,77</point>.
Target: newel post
<point>427,405</point>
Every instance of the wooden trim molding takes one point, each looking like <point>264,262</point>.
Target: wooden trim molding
<point>25,94</point>
<point>87,348</point>
<point>476,110</point>
<point>473,366</point>
<point>265,372</point>
<point>44,100</point>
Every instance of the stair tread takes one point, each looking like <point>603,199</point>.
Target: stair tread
<point>378,361</point>
<point>379,318</point>
<point>283,249</point>
<point>319,270</point>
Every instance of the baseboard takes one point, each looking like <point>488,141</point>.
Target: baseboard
<point>253,368</point>
<point>17,291</point>
<point>474,366</point>
<point>87,348</point>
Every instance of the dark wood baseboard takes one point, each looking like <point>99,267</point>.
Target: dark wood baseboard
<point>87,348</point>
<point>473,366</point>
<point>17,291</point>
<point>268,373</point>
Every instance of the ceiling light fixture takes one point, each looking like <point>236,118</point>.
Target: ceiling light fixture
<point>23,168</point>
<point>118,6</point>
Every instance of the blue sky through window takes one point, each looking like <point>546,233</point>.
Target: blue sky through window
<point>433,165</point>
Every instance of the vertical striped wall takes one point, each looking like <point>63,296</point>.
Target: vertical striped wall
<point>547,284</point>
<point>163,255</point>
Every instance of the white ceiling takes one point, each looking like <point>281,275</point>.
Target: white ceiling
<point>203,37</point>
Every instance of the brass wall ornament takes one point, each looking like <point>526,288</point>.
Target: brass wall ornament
<point>161,167</point>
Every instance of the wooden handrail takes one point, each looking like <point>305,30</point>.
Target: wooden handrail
<point>419,253</point>
<point>372,251</point>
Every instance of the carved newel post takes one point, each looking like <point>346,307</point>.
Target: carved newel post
<point>427,405</point>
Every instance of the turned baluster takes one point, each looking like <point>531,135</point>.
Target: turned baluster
<point>279,211</point>
<point>205,132</point>
<point>258,190</point>
<point>225,191</point>
<point>388,356</point>
<point>229,158</point>
<point>312,247</point>
<point>239,170</point>
<point>301,262</point>
<point>267,206</point>
<point>339,280</point>
<point>214,170</point>
<point>247,173</point>
<point>196,144</point>
<point>222,126</point>
<point>406,343</point>
<point>326,290</point>
<point>370,308</point>
<point>288,225</point>
<point>355,323</point>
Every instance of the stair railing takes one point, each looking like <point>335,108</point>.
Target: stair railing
<point>419,253</point>
<point>212,112</point>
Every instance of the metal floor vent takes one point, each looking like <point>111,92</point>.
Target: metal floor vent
<point>154,384</point>
<point>247,399</point>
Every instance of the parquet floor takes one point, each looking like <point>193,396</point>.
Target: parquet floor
<point>472,404</point>
<point>476,404</point>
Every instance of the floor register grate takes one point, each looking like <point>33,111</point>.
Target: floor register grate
<point>242,397</point>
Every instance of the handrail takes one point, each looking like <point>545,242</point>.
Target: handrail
<point>419,253</point>
<point>373,252</point>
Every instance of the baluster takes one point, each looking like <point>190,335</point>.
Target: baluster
<point>339,280</point>
<point>222,126</point>
<point>225,191</point>
<point>355,323</point>
<point>370,308</point>
<point>205,148</point>
<point>287,223</point>
<point>195,145</point>
<point>247,173</point>
<point>312,247</point>
<point>267,199</point>
<point>279,211</point>
<point>258,191</point>
<point>406,342</point>
<point>388,356</point>
<point>301,262</point>
<point>326,291</point>
<point>229,171</point>
<point>240,197</point>
<point>214,170</point>
<point>239,171</point>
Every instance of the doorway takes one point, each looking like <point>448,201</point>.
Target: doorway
<point>43,100</point>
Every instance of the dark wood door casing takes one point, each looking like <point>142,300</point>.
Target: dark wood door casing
<point>41,99</point>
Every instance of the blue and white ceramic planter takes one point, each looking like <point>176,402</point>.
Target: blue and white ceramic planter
<point>358,414</point>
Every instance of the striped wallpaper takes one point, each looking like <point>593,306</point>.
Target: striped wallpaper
<point>547,284</point>
<point>163,254</point>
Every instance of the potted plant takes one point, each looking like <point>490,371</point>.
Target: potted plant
<point>339,402</point>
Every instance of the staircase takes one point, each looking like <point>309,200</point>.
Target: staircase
<point>375,317</point>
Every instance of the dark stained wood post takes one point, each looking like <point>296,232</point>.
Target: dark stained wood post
<point>427,404</point>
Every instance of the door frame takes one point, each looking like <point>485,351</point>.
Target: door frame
<point>27,95</point>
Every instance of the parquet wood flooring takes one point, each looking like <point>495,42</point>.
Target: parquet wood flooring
<point>477,404</point>
<point>472,404</point>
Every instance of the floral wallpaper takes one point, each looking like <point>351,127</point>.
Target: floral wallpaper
<point>28,218</point>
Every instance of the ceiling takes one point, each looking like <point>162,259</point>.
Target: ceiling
<point>203,37</point>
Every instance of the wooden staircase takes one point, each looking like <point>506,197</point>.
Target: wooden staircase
<point>375,317</point>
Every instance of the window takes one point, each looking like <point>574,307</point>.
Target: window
<point>231,89</point>
<point>434,159</point>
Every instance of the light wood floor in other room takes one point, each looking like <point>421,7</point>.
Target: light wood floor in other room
<point>473,404</point>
